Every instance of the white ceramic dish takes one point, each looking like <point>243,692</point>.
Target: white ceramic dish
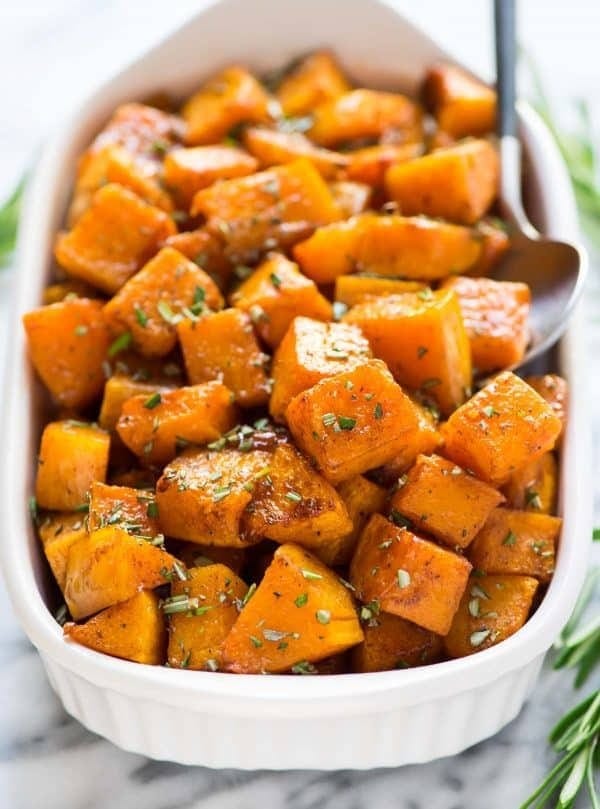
<point>351,721</point>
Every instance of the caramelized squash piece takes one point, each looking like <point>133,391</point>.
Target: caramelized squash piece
<point>155,426</point>
<point>133,630</point>
<point>72,456</point>
<point>113,239</point>
<point>554,390</point>
<point>300,613</point>
<point>441,499</point>
<point>202,496</point>
<point>273,148</point>
<point>186,171</point>
<point>117,391</point>
<point>231,97</point>
<point>461,104</point>
<point>204,249</point>
<point>223,346</point>
<point>275,294</point>
<point>150,303</point>
<point>352,422</point>
<point>534,487</point>
<point>394,245</point>
<point>202,609</point>
<point>110,566</point>
<point>492,609</point>
<point>520,542</point>
<point>309,352</point>
<point>414,578</point>
<point>67,344</point>
<point>495,314</point>
<point>422,338</point>
<point>353,289</point>
<point>366,114</point>
<point>393,643</point>
<point>144,131</point>
<point>58,532</point>
<point>500,429</point>
<point>362,498</point>
<point>315,79</point>
<point>133,510</point>
<point>369,165</point>
<point>458,183</point>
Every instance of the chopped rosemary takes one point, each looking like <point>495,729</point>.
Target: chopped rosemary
<point>141,317</point>
<point>303,667</point>
<point>310,574</point>
<point>510,539</point>
<point>378,411</point>
<point>301,600</point>
<point>323,616</point>
<point>294,497</point>
<point>122,342</point>
<point>153,401</point>
<point>403,578</point>
<point>478,637</point>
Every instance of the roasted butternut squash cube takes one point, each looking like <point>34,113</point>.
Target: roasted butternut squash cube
<point>149,305</point>
<point>494,241</point>
<point>534,487</point>
<point>223,346</point>
<point>192,554</point>
<point>294,502</point>
<point>154,427</point>
<point>206,250</point>
<point>369,164</point>
<point>425,440</point>
<point>133,510</point>
<point>133,630</point>
<point>353,289</point>
<point>352,198</point>
<point>554,390</point>
<point>495,314</point>
<point>110,566</point>
<point>520,542</point>
<point>315,79</point>
<point>443,500</point>
<point>186,171</point>
<point>500,429</point>
<point>145,131</point>
<point>366,114</point>
<point>393,643</point>
<point>113,239</point>
<point>117,391</point>
<point>309,352</point>
<point>58,532</point>
<point>67,344</point>
<point>202,496</point>
<point>300,613</point>
<point>352,422</point>
<point>422,338</point>
<point>458,183</point>
<point>492,609</point>
<point>231,97</point>
<point>202,609</point>
<point>362,498</point>
<point>275,294</point>
<point>275,207</point>
<point>408,576</point>
<point>396,246</point>
<point>72,456</point>
<point>461,104</point>
<point>274,148</point>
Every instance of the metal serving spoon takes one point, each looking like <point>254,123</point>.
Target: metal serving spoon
<point>555,271</point>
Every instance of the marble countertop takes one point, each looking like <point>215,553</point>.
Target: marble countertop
<point>51,53</point>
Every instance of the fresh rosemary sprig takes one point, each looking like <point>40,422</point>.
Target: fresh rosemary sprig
<point>9,220</point>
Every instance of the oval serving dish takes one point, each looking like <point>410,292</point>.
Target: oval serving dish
<point>329,722</point>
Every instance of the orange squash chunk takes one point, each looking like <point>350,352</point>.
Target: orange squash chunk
<point>274,207</point>
<point>155,426</point>
<point>414,578</point>
<point>494,241</point>
<point>202,496</point>
<point>133,510</point>
<point>117,391</point>
<point>394,245</point>
<point>369,165</point>
<point>186,171</point>
<point>458,183</point>
<point>202,609</point>
<point>461,104</point>
<point>492,609</point>
<point>315,79</point>
<point>150,303</point>
<point>352,422</point>
<point>422,338</point>
<point>362,498</point>
<point>300,613</point>
<point>72,456</point>
<point>223,346</point>
<point>273,148</point>
<point>231,97</point>
<point>534,487</point>
<point>500,429</point>
<point>495,314</point>
<point>58,532</point>
<point>393,643</point>
<point>275,294</point>
<point>365,114</point>
<point>443,500</point>
<point>204,249</point>
<point>144,131</point>
<point>521,542</point>
<point>67,344</point>
<point>309,352</point>
<point>113,239</point>
<point>110,566</point>
<point>133,630</point>
<point>425,440</point>
<point>554,390</point>
<point>294,502</point>
<point>352,198</point>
